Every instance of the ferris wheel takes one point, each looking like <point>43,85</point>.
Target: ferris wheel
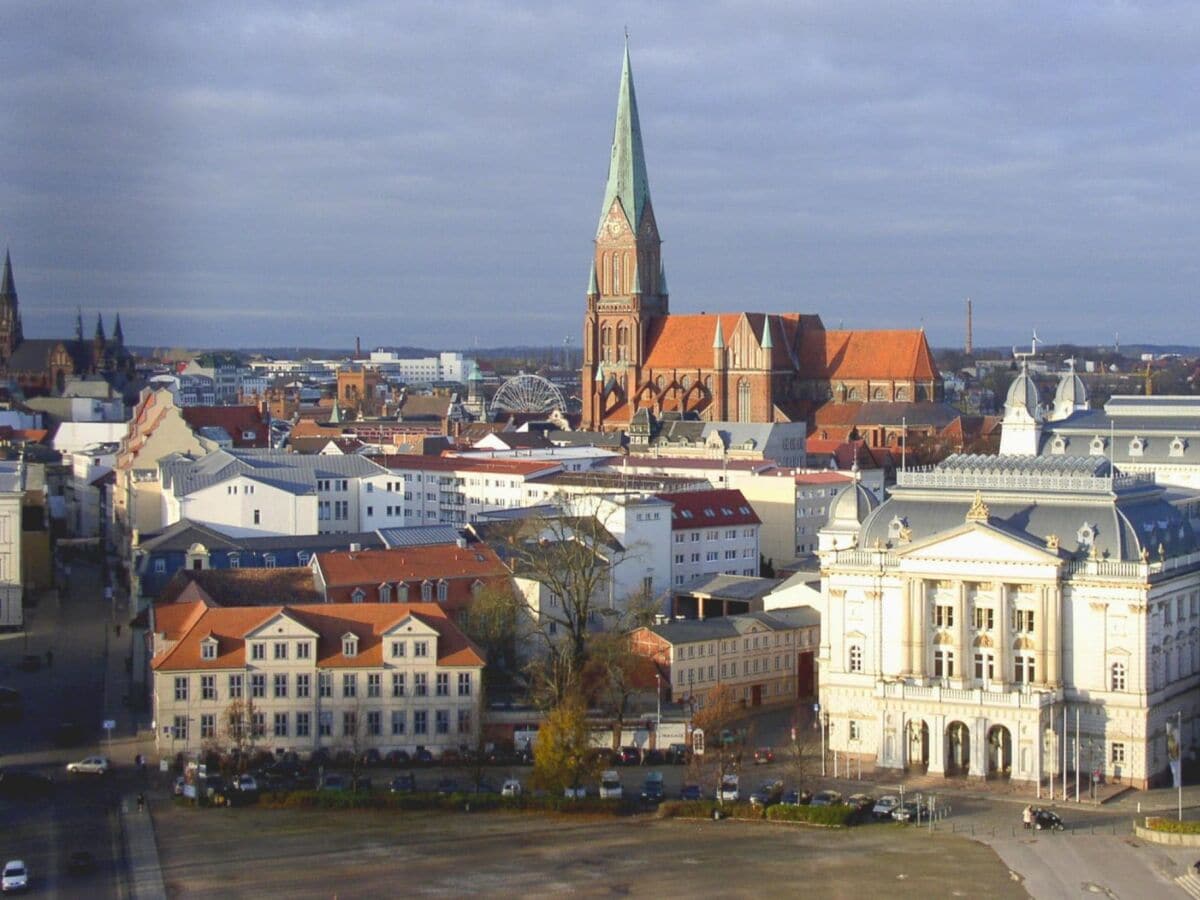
<point>527,394</point>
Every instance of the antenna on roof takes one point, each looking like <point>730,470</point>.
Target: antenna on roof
<point>904,443</point>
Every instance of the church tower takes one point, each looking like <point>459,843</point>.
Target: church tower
<point>10,314</point>
<point>627,287</point>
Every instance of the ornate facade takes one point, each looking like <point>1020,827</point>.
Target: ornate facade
<point>989,596</point>
<point>745,366</point>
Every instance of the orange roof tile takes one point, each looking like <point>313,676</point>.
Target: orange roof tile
<point>434,561</point>
<point>686,342</point>
<point>331,621</point>
<point>881,355</point>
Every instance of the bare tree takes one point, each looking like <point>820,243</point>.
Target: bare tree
<point>716,718</point>
<point>242,731</point>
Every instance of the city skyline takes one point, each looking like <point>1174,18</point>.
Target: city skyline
<point>424,176</point>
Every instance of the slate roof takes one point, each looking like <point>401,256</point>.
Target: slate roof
<point>243,587</point>
<point>729,587</point>
<point>418,535</point>
<point>237,421</point>
<point>688,631</point>
<point>183,534</point>
<point>293,472</point>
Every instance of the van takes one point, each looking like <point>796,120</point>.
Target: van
<point>610,786</point>
<point>728,792</point>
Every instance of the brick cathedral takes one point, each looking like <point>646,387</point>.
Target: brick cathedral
<point>740,366</point>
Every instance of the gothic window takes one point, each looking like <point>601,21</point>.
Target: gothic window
<point>743,400</point>
<point>854,395</point>
<point>901,395</point>
<point>606,343</point>
<point>622,343</point>
<point>878,394</point>
<point>616,273</point>
<point>659,382</point>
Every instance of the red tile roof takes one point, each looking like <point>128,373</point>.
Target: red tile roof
<point>236,420</point>
<point>883,355</point>
<point>699,509</point>
<point>459,567</point>
<point>368,621</point>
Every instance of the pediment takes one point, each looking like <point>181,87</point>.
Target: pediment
<point>281,625</point>
<point>411,625</point>
<point>978,542</point>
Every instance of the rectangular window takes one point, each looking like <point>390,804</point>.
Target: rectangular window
<point>374,684</point>
<point>258,651</point>
<point>258,517</point>
<point>258,724</point>
<point>442,720</point>
<point>398,649</point>
<point>1118,754</point>
<point>325,684</point>
<point>420,684</point>
<point>397,684</point>
<point>984,618</point>
<point>181,688</point>
<point>303,648</point>
<point>464,721</point>
<point>420,648</point>
<point>1023,621</point>
<point>464,684</point>
<point>303,686</point>
<point>208,726</point>
<point>208,650</point>
<point>208,687</point>
<point>1023,670</point>
<point>985,667</point>
<point>258,685</point>
<point>349,723</point>
<point>349,684</point>
<point>280,685</point>
<point>374,723</point>
<point>856,658</point>
<point>855,733</point>
<point>235,687</point>
<point>398,721</point>
<point>281,724</point>
<point>179,730</point>
<point>443,684</point>
<point>303,724</point>
<point>943,616</point>
<point>943,663</point>
<point>281,648</point>
<point>420,722</point>
<point>325,724</point>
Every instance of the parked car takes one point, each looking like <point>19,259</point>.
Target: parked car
<point>360,783</point>
<point>398,758</point>
<point>628,756</point>
<point>510,788</point>
<point>177,786</point>
<point>80,862</point>
<point>575,793</point>
<point>767,793</point>
<point>405,783</point>
<point>652,788</point>
<point>15,876</point>
<point>690,792</point>
<point>884,806</point>
<point>447,786</point>
<point>332,782</point>
<point>826,798</point>
<point>910,811</point>
<point>677,754</point>
<point>796,797</point>
<point>483,787</point>
<point>764,755</point>
<point>610,785</point>
<point>862,802</point>
<point>91,765</point>
<point>423,756</point>
<point>246,783</point>
<point>728,792</point>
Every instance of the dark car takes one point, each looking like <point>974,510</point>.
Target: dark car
<point>826,798</point>
<point>690,792</point>
<point>796,797</point>
<point>764,755</point>
<point>910,811</point>
<point>17,784</point>
<point>398,758</point>
<point>677,754</point>
<point>652,790</point>
<point>423,756</point>
<point>360,783</point>
<point>629,756</point>
<point>403,784</point>
<point>372,757</point>
<point>333,782</point>
<point>1045,820</point>
<point>80,862</point>
<point>446,787</point>
<point>767,793</point>
<point>484,787</point>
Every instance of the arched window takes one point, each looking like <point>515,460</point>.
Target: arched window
<point>622,343</point>
<point>385,593</point>
<point>743,400</point>
<point>1117,676</point>
<point>901,395</point>
<point>616,273</point>
<point>443,590</point>
<point>427,590</point>
<point>854,395</point>
<point>878,394</point>
<point>606,343</point>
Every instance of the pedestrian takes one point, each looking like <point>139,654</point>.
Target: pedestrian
<point>1027,816</point>
<point>108,595</point>
<point>118,627</point>
<point>141,802</point>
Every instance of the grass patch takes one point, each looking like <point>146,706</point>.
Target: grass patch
<point>838,815</point>
<point>1172,826</point>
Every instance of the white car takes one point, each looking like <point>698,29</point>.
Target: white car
<point>15,877</point>
<point>93,765</point>
<point>610,785</point>
<point>729,791</point>
<point>247,783</point>
<point>885,806</point>
<point>510,788</point>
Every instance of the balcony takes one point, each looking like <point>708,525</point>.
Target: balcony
<point>1014,699</point>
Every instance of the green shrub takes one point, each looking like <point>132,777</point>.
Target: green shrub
<point>837,815</point>
<point>1172,826</point>
<point>430,801</point>
<point>704,809</point>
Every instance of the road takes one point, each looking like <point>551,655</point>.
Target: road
<point>82,813</point>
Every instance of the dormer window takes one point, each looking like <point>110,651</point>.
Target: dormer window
<point>1058,445</point>
<point>426,591</point>
<point>402,593</point>
<point>1137,446</point>
<point>269,561</point>
<point>1178,445</point>
<point>443,590</point>
<point>1086,534</point>
<point>896,527</point>
<point>1097,446</point>
<point>385,593</point>
<point>208,648</point>
<point>358,596</point>
<point>349,645</point>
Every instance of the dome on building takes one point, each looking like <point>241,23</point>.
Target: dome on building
<point>1023,393</point>
<point>852,506</point>
<point>1071,394</point>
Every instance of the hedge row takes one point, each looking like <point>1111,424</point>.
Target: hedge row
<point>429,801</point>
<point>839,815</point>
<point>1172,826</point>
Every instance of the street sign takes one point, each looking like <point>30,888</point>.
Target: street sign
<point>110,724</point>
<point>698,741</point>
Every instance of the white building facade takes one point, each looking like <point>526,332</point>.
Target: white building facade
<point>989,597</point>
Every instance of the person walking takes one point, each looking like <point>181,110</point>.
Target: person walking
<point>1027,816</point>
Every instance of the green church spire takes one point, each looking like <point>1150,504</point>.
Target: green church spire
<point>627,179</point>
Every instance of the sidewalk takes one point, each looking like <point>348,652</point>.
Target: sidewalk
<point>141,851</point>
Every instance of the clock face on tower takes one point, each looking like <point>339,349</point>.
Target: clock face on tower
<point>613,227</point>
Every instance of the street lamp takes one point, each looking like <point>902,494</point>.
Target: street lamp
<point>658,705</point>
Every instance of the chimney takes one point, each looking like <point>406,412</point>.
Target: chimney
<point>355,547</point>
<point>461,542</point>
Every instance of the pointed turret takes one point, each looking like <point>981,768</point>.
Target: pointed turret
<point>78,324</point>
<point>118,333</point>
<point>767,343</point>
<point>719,340</point>
<point>335,414</point>
<point>662,279</point>
<point>627,179</point>
<point>7,287</point>
<point>593,285</point>
<point>99,336</point>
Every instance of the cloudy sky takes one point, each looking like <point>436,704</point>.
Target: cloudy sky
<point>431,173</point>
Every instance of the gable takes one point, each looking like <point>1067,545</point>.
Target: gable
<point>411,625</point>
<point>975,544</point>
<point>281,625</point>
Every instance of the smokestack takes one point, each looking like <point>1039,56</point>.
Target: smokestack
<point>970,345</point>
<point>358,348</point>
